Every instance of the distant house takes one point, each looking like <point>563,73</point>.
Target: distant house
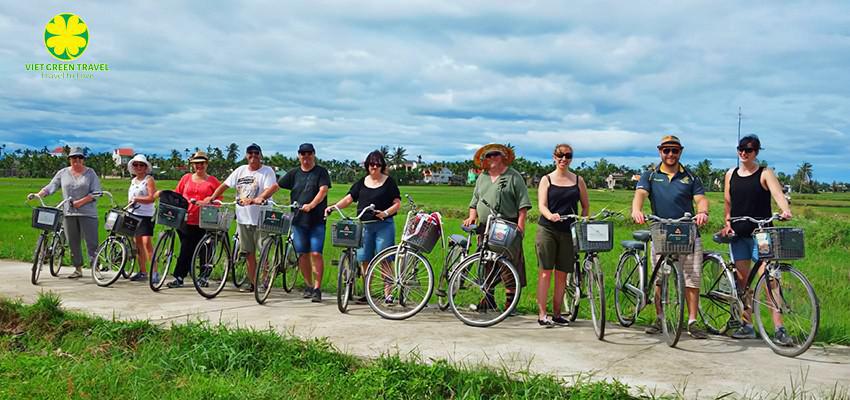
<point>121,156</point>
<point>59,151</point>
<point>407,166</point>
<point>441,176</point>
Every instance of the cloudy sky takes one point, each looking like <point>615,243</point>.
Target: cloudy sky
<point>441,78</point>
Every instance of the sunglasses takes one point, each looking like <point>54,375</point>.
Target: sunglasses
<point>76,157</point>
<point>255,153</point>
<point>669,150</point>
<point>305,153</point>
<point>564,156</point>
<point>747,150</point>
<point>376,165</point>
<point>493,154</point>
<point>139,165</point>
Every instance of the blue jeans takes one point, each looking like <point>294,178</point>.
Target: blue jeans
<point>744,248</point>
<point>308,239</point>
<point>376,237</point>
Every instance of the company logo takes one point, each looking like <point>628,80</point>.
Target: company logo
<point>686,180</point>
<point>66,36</point>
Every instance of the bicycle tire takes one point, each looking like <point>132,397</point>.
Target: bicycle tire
<point>267,267</point>
<point>596,295</point>
<point>792,284</point>
<point>572,293</point>
<point>628,288</point>
<point>57,252</point>
<point>109,261</point>
<point>290,267</point>
<point>210,263</point>
<point>162,259</point>
<point>38,258</point>
<point>399,280</point>
<point>240,265</point>
<point>475,291</point>
<point>672,301</point>
<point>344,280</point>
<point>453,257</point>
<point>716,294</point>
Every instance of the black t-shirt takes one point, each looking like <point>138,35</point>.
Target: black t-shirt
<point>304,186</point>
<point>382,196</point>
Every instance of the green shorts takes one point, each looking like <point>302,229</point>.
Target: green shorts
<point>250,238</point>
<point>555,249</point>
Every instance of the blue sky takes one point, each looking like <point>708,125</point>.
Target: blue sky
<point>442,77</point>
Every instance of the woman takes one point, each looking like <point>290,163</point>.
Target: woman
<point>78,182</point>
<point>558,194</point>
<point>503,188</point>
<point>747,193</point>
<point>195,186</point>
<point>379,189</point>
<point>141,193</point>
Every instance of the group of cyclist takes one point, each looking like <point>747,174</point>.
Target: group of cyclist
<point>673,191</point>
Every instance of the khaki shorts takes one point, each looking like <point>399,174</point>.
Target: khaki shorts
<point>690,264</point>
<point>250,238</point>
<point>554,250</point>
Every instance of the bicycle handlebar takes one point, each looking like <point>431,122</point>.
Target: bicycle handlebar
<point>603,214</point>
<point>759,222</point>
<point>685,218</point>
<point>371,207</point>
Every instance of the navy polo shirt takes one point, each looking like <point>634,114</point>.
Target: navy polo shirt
<point>671,197</point>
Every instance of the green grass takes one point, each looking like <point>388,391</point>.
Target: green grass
<point>827,239</point>
<point>47,353</point>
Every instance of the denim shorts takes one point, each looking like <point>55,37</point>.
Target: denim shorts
<point>308,239</point>
<point>376,237</point>
<point>744,248</point>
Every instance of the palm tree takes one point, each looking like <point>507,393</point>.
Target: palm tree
<point>385,151</point>
<point>399,156</point>
<point>804,174</point>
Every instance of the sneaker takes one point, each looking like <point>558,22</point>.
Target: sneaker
<point>559,320</point>
<point>746,331</point>
<point>76,274</point>
<point>317,296</point>
<point>546,322</point>
<point>389,299</point>
<point>308,293</point>
<point>139,277</point>
<point>655,328</point>
<point>695,331</point>
<point>361,300</point>
<point>782,337</point>
<point>247,288</point>
<point>176,283</point>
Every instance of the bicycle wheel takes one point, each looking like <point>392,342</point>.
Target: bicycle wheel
<point>57,252</point>
<point>596,294</point>
<point>240,265</point>
<point>399,284</point>
<point>785,300</point>
<point>271,258</point>
<point>131,263</point>
<point>344,280</point>
<point>478,290</point>
<point>672,300</point>
<point>162,260</point>
<point>210,264</point>
<point>39,257</point>
<point>628,288</point>
<point>454,256</point>
<point>572,293</point>
<point>290,267</point>
<point>716,294</point>
<point>109,261</point>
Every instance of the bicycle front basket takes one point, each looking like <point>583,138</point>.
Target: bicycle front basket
<point>47,218</point>
<point>673,238</point>
<point>347,233</point>
<point>780,243</point>
<point>503,237</point>
<point>121,222</point>
<point>215,218</point>
<point>171,216</point>
<point>422,231</point>
<point>274,221</point>
<point>593,236</point>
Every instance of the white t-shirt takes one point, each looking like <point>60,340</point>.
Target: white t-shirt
<point>249,184</point>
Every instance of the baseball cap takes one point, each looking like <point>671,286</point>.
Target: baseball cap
<point>253,147</point>
<point>306,147</point>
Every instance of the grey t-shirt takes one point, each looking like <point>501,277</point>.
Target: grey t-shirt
<point>76,188</point>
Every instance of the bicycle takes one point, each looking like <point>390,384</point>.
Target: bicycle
<point>51,244</point>
<point>399,279</point>
<point>670,238</point>
<point>278,250</point>
<point>474,291</point>
<point>458,250</point>
<point>591,235</point>
<point>348,234</point>
<point>212,258</point>
<point>723,303</point>
<point>118,249</point>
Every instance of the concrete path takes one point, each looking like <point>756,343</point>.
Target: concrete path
<point>703,369</point>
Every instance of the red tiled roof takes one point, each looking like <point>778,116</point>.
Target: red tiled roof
<point>58,150</point>
<point>125,151</point>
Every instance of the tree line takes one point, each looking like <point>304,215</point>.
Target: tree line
<point>43,164</point>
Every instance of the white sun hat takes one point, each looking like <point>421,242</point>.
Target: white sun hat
<point>138,158</point>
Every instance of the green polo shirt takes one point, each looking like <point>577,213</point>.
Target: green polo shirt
<point>507,195</point>
<point>671,196</point>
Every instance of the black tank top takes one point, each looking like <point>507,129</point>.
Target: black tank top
<point>748,199</point>
<point>561,200</point>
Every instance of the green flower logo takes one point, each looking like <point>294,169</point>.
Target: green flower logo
<point>66,36</point>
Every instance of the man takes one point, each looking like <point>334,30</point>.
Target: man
<point>249,181</point>
<point>308,184</point>
<point>672,191</point>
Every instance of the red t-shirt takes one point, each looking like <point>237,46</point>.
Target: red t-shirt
<point>196,191</point>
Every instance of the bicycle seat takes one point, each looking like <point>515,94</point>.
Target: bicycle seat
<point>718,238</point>
<point>458,239</point>
<point>633,244</point>
<point>643,236</point>
<point>470,228</point>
